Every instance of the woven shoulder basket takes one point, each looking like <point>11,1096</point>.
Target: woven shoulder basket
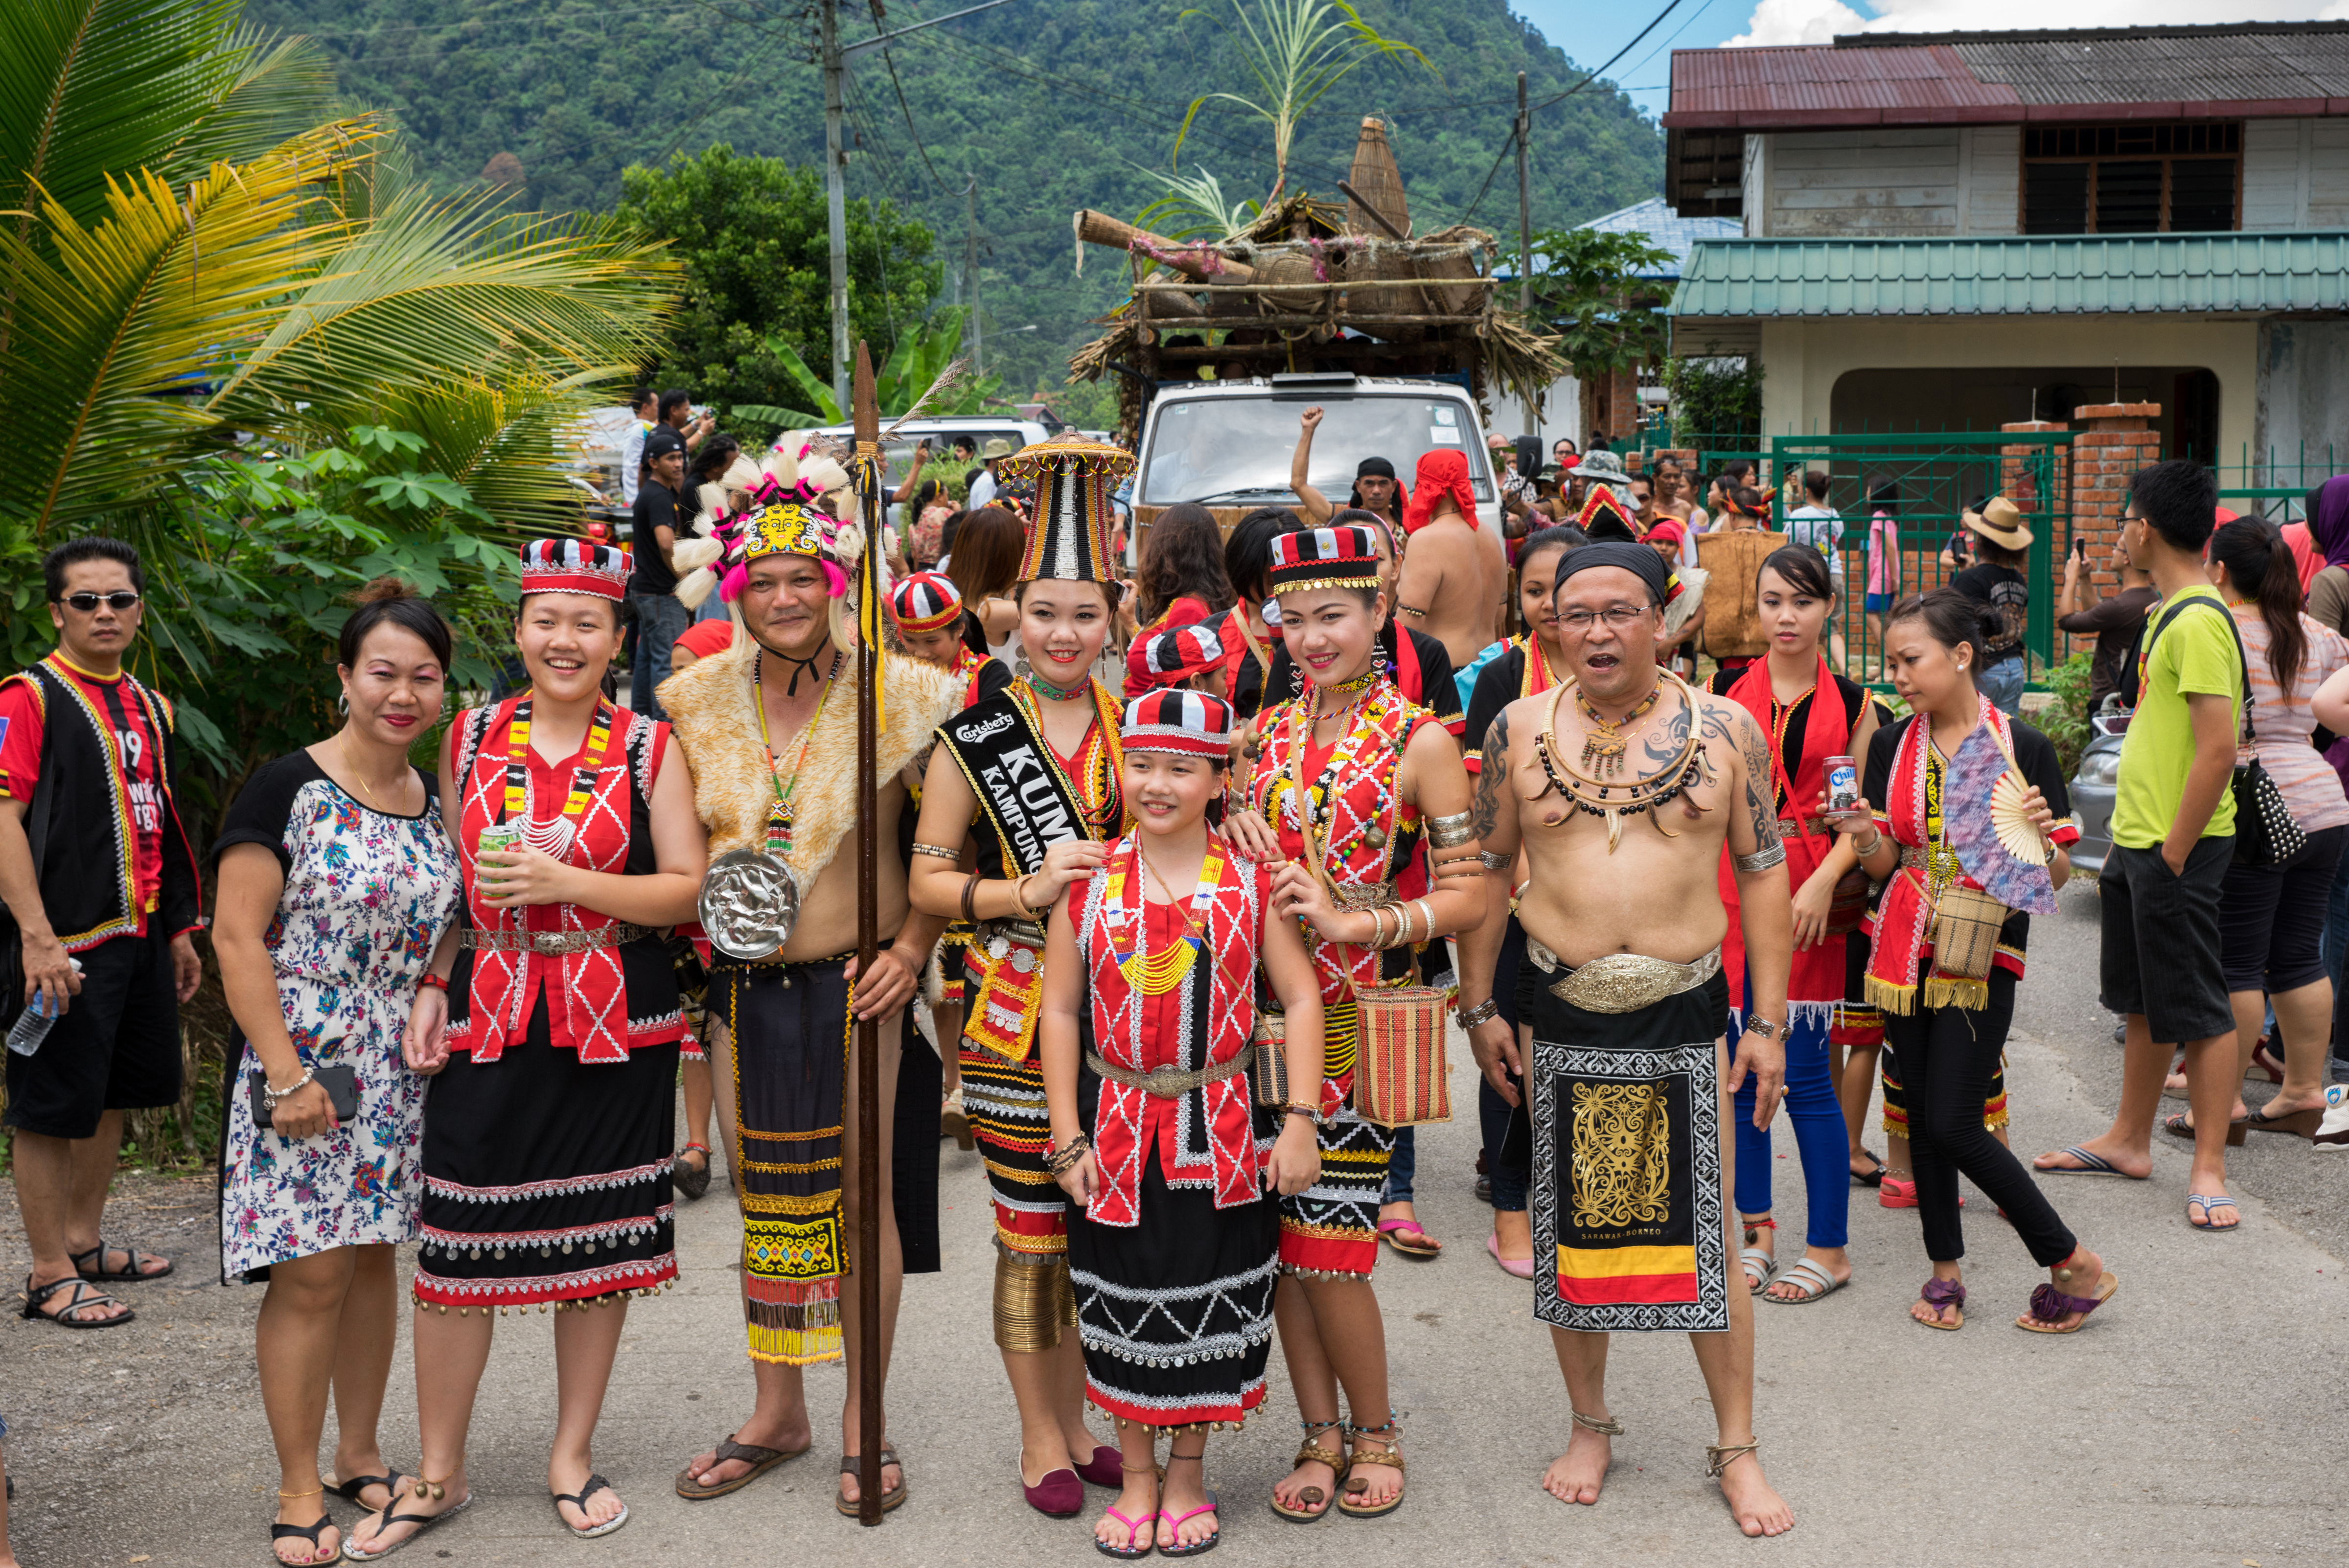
<point>1399,1066</point>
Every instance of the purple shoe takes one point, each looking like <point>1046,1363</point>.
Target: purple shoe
<point>1059,1495</point>
<point>1106,1467</point>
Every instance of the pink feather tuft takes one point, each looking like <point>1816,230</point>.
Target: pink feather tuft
<point>835,581</point>
<point>730,586</point>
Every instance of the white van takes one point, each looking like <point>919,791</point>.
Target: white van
<point>1227,444</point>
<point>941,433</point>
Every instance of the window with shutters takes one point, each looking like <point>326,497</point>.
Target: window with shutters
<point>2142,177</point>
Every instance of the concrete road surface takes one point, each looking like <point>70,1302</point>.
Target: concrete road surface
<point>2193,1421</point>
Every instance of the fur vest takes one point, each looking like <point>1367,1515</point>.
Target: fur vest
<point>710,706</point>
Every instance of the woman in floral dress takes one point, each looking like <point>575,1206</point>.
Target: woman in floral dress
<point>336,880</point>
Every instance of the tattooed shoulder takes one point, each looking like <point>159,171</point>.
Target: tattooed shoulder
<point>1492,770</point>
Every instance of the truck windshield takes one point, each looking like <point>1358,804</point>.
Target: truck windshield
<point>1209,447</point>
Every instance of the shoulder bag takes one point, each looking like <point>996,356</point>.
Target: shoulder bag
<point>2265,831</point>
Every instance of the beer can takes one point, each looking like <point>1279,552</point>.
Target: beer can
<point>1843,785</point>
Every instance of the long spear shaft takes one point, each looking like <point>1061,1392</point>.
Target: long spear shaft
<point>868,919</point>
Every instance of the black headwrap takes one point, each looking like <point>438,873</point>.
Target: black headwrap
<point>1637,559</point>
<point>1374,465</point>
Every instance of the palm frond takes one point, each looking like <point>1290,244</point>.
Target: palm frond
<point>109,335</point>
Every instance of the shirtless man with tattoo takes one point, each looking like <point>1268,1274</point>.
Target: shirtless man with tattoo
<point>1623,785</point>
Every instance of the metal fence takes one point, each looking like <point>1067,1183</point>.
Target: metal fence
<point>1920,482</point>
<point>2276,486</point>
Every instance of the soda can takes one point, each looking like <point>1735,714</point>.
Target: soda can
<point>495,838</point>
<point>1843,785</point>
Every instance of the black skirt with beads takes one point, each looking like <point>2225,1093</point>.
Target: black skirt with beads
<point>547,1179</point>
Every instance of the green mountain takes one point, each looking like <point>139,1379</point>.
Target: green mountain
<point>1044,104</point>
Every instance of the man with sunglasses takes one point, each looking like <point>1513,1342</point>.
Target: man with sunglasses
<point>95,870</point>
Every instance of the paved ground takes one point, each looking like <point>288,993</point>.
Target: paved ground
<point>2171,1431</point>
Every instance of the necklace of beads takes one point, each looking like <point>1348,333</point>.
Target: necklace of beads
<point>779,814</point>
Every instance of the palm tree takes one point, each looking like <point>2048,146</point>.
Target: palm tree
<point>1297,50</point>
<point>195,249</point>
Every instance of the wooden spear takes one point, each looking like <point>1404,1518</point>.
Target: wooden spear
<point>869,1110</point>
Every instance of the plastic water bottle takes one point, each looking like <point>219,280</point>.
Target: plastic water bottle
<point>33,1026</point>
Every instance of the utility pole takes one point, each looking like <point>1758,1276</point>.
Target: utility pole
<point>971,271</point>
<point>835,197</point>
<point>1524,205</point>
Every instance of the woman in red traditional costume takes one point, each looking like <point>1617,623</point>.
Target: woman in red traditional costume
<point>1163,1148</point>
<point>1355,792</point>
<point>1031,779</point>
<point>1947,1025</point>
<point>550,1024</point>
<point>1810,714</point>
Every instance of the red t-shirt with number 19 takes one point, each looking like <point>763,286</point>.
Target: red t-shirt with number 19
<point>138,751</point>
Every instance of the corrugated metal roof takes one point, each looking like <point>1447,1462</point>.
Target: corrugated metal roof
<point>1667,230</point>
<point>1716,80</point>
<point>2039,276</point>
<point>2206,64</point>
<point>1889,79</point>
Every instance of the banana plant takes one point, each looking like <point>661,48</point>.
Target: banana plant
<point>911,371</point>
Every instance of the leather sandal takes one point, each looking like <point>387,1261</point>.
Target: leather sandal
<point>353,1489</point>
<point>761,1461</point>
<point>1357,1485</point>
<point>106,1276</point>
<point>1317,1502</point>
<point>852,1465</point>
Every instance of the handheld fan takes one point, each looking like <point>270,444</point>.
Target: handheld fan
<point>1995,840</point>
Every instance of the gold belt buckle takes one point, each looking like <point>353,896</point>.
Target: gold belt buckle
<point>1626,982</point>
<point>1169,1083</point>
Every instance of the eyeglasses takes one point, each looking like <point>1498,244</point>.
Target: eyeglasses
<point>86,603</point>
<point>1622,617</point>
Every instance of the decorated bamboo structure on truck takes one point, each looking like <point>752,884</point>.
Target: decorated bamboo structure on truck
<point>1313,285</point>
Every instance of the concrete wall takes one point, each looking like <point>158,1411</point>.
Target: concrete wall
<point>2301,426</point>
<point>2295,173</point>
<point>1802,359</point>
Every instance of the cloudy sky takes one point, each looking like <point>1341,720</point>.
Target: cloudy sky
<point>1590,32</point>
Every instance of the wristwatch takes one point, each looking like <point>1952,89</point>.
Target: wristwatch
<point>1311,1113</point>
<point>1762,1026</point>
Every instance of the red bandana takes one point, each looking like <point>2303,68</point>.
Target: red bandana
<point>1443,472</point>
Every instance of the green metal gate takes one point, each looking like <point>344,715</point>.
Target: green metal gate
<point>1923,481</point>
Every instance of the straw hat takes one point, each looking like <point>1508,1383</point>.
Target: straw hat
<point>2000,523</point>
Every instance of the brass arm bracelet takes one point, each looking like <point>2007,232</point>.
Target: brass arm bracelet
<point>1427,918</point>
<point>1450,832</point>
<point>1493,860</point>
<point>940,850</point>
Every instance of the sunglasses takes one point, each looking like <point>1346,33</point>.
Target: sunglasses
<point>119,599</point>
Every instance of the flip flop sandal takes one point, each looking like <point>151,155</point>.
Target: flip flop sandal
<point>1942,1295</point>
<point>578,1499</point>
<point>2091,1164</point>
<point>2050,1306</point>
<point>693,1180</point>
<point>349,1491</point>
<point>1312,1453</point>
<point>2179,1127</point>
<point>761,1461</point>
<point>106,1276</point>
<point>1813,1281</point>
<point>68,1315</point>
<point>424,1522</point>
<point>2210,1203</point>
<point>851,1465</point>
<point>1136,1545</point>
<point>309,1533</point>
<point>1197,1547</point>
<point>1392,1231</point>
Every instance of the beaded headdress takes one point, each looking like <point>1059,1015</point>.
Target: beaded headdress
<point>1344,557</point>
<point>575,566</point>
<point>1068,523</point>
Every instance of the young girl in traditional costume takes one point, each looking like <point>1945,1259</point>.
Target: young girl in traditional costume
<point>1163,1148</point>
<point>1948,1028</point>
<point>550,1025</point>
<point>1038,769</point>
<point>1362,798</point>
<point>1810,713</point>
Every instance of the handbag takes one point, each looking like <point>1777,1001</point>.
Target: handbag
<point>1400,1072</point>
<point>2265,832</point>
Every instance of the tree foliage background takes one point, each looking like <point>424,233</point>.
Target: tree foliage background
<point>1049,105</point>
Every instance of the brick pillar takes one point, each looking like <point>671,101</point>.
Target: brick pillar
<point>2115,440</point>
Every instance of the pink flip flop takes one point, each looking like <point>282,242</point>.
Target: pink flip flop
<point>1392,1232</point>
<point>1136,1543</point>
<point>1197,1547</point>
<point>1521,1267</point>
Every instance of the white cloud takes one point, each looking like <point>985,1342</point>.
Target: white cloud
<point>1818,21</point>
<point>1800,22</point>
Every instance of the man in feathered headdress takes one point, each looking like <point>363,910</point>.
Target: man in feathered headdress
<point>769,726</point>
